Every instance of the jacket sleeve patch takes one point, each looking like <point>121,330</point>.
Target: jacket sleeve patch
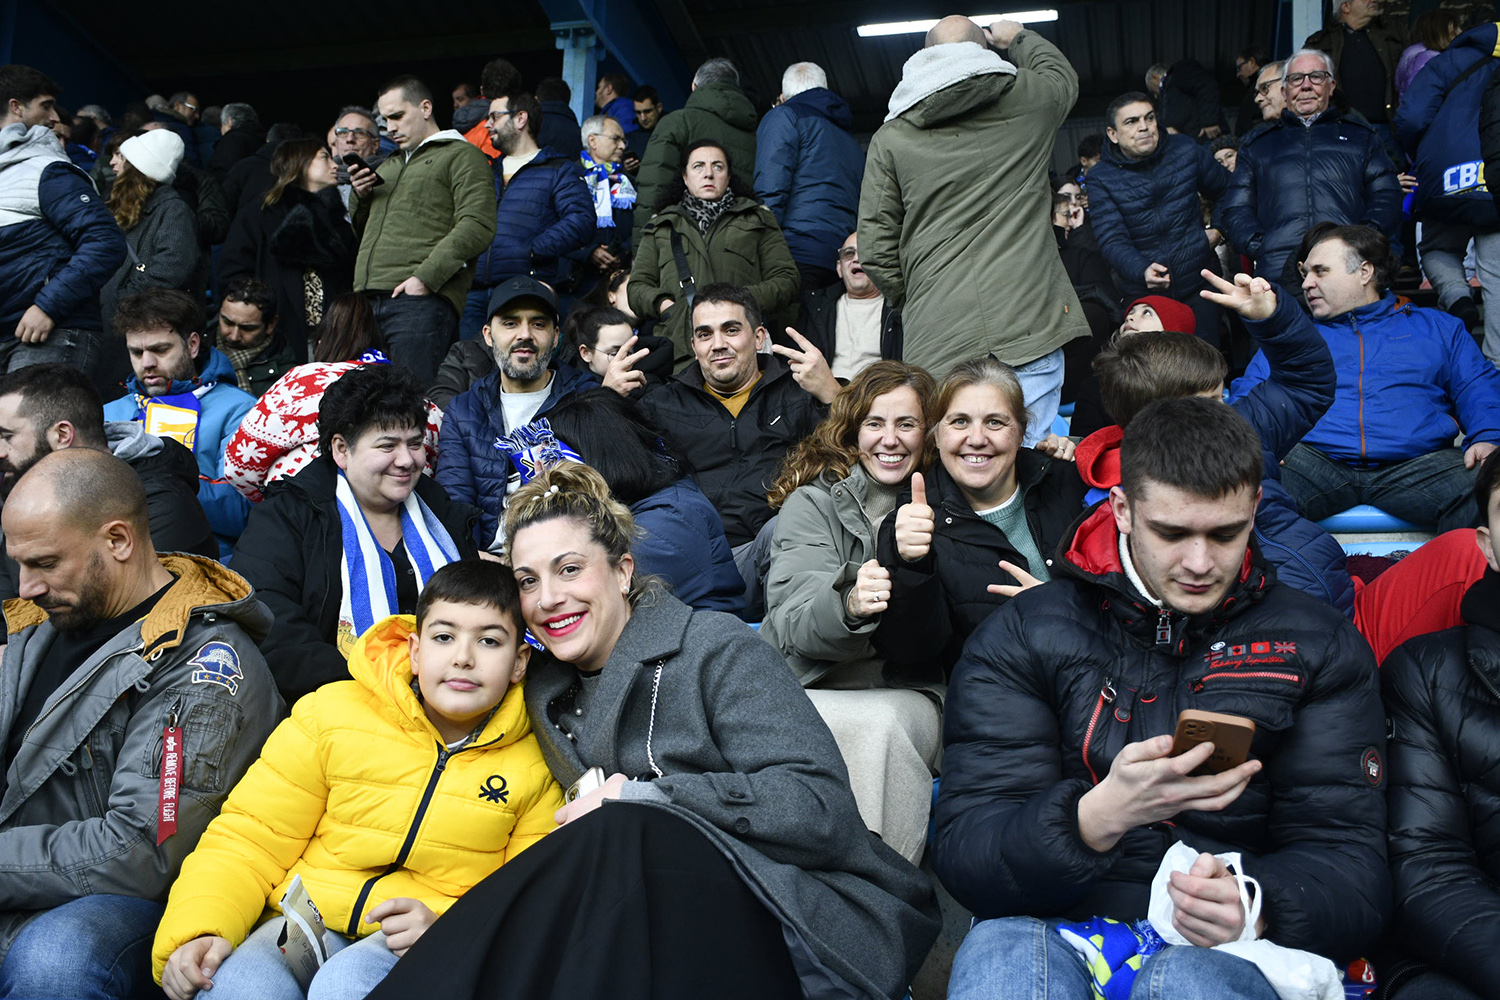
<point>217,663</point>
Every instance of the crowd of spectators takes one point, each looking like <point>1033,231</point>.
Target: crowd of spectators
<point>841,515</point>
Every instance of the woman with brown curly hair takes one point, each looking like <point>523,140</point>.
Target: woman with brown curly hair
<point>161,235</point>
<point>825,593</point>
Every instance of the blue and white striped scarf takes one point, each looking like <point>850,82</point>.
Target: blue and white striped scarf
<point>367,573</point>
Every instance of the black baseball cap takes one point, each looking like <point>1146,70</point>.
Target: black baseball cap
<point>521,287</point>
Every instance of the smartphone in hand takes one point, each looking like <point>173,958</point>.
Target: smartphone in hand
<point>1231,736</point>
<point>355,160</point>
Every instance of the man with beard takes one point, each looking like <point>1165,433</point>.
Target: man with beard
<point>132,699</point>
<point>50,407</point>
<point>185,390</point>
<point>521,332</point>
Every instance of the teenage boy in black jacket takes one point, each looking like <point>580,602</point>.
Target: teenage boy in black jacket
<point>1059,796</point>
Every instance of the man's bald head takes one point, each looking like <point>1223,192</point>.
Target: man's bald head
<point>85,489</point>
<point>954,28</point>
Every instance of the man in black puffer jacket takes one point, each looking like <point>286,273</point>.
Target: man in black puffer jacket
<point>1442,694</point>
<point>1059,797</point>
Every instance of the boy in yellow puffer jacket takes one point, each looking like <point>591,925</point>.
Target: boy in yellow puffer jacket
<point>390,794</point>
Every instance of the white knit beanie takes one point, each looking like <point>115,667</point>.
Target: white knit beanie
<point>155,153</point>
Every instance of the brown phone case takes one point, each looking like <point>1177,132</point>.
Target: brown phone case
<point>1231,736</point>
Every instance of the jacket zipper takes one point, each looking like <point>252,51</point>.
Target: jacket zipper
<point>1106,697</point>
<point>411,837</point>
<point>1360,334</point>
<point>80,685</point>
<point>1201,683</point>
<point>405,163</point>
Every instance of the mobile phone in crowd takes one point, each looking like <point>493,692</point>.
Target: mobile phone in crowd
<point>1231,736</point>
<point>592,778</point>
<point>355,160</point>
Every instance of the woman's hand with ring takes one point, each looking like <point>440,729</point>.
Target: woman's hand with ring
<point>871,593</point>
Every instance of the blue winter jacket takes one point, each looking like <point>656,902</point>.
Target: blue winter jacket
<point>1291,176</point>
<point>1147,211</point>
<point>544,212</point>
<point>223,407</point>
<point>683,543</point>
<point>469,466</point>
<point>1409,381</point>
<point>1282,410</point>
<point>622,110</point>
<point>808,170</point>
<point>1437,125</point>
<point>58,242</point>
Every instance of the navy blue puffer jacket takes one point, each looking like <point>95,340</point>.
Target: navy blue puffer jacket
<point>1291,176</point>
<point>808,169</point>
<point>544,212</point>
<point>469,466</point>
<point>58,242</point>
<point>682,541</point>
<point>1438,126</point>
<point>1147,211</point>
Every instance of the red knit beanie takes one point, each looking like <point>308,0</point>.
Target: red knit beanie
<point>1174,316</point>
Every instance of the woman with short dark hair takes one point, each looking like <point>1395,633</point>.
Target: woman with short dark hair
<point>708,228</point>
<point>351,538</point>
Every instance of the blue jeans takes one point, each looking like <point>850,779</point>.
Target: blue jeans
<point>418,331</point>
<point>93,948</point>
<point>1022,958</point>
<point>1432,490</point>
<point>1041,387</point>
<point>256,971</point>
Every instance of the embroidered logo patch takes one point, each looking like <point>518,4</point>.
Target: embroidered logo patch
<point>1371,765</point>
<point>492,792</point>
<point>217,663</point>
<point>1242,654</point>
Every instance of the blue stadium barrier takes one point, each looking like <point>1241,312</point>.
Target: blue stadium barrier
<point>1060,426</point>
<point>1366,519</point>
<point>1384,549</point>
<point>754,625</point>
<point>1066,410</point>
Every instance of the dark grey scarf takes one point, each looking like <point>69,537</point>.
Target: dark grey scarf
<point>705,212</point>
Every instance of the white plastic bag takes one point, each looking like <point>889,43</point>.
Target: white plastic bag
<point>1293,974</point>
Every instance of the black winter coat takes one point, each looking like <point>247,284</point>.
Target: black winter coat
<point>734,460</point>
<point>292,551</point>
<point>1190,100</point>
<point>1147,212</point>
<point>233,146</point>
<point>278,243</point>
<point>1290,176</point>
<point>1053,686</point>
<point>937,602</point>
<point>820,316</point>
<point>1442,693</point>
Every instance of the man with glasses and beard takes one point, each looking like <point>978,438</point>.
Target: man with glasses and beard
<point>1313,164</point>
<point>522,332</point>
<point>132,699</point>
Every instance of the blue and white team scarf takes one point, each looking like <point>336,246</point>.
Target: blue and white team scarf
<point>533,448</point>
<point>367,573</point>
<point>608,187</point>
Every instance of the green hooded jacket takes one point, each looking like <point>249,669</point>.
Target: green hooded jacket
<point>433,215</point>
<point>716,111</point>
<point>744,247</point>
<point>954,214</point>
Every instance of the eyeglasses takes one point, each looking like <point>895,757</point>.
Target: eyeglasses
<point>190,107</point>
<point>495,116</point>
<point>1264,88</point>
<point>341,132</point>
<point>848,253</point>
<point>1317,77</point>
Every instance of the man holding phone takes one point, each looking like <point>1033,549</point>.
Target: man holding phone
<point>421,229</point>
<point>1060,791</point>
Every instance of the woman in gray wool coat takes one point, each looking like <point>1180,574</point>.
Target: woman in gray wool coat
<point>729,859</point>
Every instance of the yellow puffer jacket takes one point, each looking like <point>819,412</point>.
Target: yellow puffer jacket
<point>357,794</point>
